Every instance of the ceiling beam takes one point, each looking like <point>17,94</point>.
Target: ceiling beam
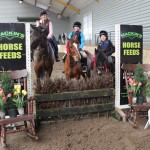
<point>35,2</point>
<point>65,7</point>
<point>68,6</point>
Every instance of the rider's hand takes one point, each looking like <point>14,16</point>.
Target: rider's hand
<point>48,37</point>
<point>41,21</point>
<point>80,49</point>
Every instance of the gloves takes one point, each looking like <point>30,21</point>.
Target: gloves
<point>108,53</point>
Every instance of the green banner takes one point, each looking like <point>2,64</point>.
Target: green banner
<point>12,46</point>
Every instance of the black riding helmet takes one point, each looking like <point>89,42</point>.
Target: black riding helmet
<point>77,24</point>
<point>43,13</point>
<point>103,32</point>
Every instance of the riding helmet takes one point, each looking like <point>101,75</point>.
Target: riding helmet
<point>43,13</point>
<point>77,24</point>
<point>103,32</point>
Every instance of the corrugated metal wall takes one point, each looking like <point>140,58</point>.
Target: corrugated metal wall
<point>107,13</point>
<point>11,9</point>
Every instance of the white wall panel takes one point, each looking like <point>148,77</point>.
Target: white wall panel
<point>107,13</point>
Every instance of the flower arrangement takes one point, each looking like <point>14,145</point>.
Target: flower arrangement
<point>3,99</point>
<point>7,87</point>
<point>19,95</point>
<point>134,87</point>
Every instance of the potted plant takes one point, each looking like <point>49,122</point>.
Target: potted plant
<point>18,98</point>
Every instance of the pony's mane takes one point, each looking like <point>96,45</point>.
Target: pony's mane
<point>40,39</point>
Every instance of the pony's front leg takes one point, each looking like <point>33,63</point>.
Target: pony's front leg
<point>49,72</point>
<point>77,77</point>
<point>68,77</point>
<point>37,72</point>
<point>84,76</point>
<point>99,72</point>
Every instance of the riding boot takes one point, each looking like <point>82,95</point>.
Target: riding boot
<point>56,53</point>
<point>84,64</point>
<point>55,48</point>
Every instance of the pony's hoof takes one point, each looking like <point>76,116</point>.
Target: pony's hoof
<point>99,72</point>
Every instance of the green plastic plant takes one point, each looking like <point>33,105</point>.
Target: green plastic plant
<point>147,88</point>
<point>139,75</point>
<point>6,83</point>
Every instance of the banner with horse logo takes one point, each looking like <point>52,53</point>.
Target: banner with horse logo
<point>131,52</point>
<point>128,50</point>
<point>12,46</point>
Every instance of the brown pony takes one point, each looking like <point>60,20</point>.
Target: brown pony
<point>73,65</point>
<point>43,55</point>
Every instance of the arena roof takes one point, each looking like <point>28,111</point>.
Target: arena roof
<point>63,8</point>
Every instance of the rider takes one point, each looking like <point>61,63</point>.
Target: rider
<point>46,23</point>
<point>106,46</point>
<point>80,36</point>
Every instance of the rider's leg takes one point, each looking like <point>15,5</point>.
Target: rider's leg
<point>84,61</point>
<point>55,48</point>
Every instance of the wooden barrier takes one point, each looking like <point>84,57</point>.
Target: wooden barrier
<point>74,103</point>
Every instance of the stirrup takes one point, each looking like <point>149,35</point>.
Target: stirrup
<point>84,69</point>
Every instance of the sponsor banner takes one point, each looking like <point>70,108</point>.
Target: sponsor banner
<point>12,46</point>
<point>131,47</point>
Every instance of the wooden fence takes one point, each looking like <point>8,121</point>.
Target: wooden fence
<point>74,103</point>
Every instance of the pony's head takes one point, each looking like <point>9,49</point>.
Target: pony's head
<point>102,61</point>
<point>73,49</point>
<point>75,39</point>
<point>100,58</point>
<point>39,36</point>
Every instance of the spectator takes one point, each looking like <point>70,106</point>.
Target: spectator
<point>59,39</point>
<point>64,38</point>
